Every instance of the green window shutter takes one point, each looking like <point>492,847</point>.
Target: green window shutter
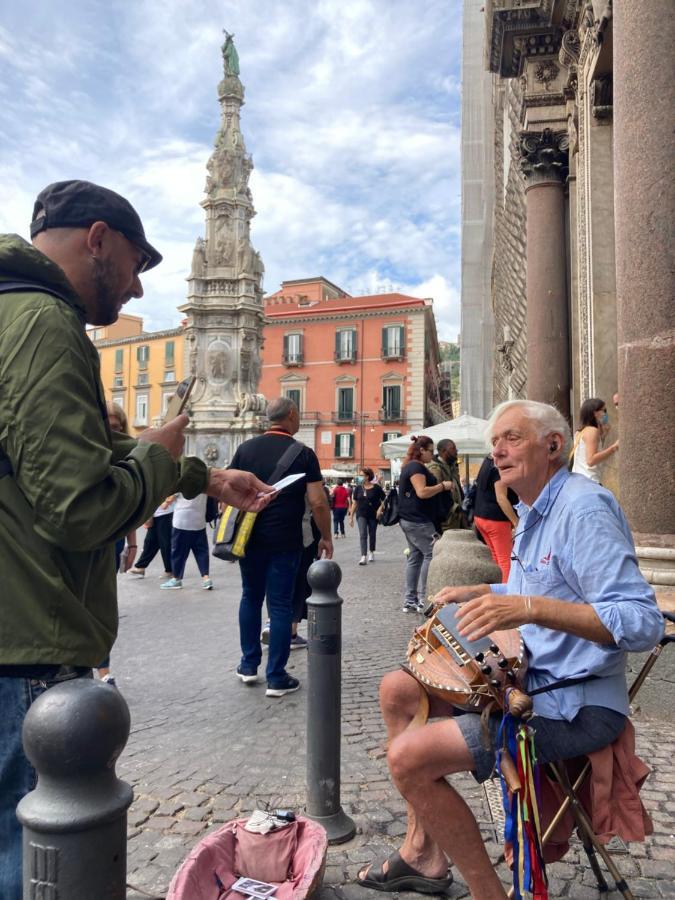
<point>384,341</point>
<point>396,398</point>
<point>351,445</point>
<point>300,346</point>
<point>338,351</point>
<point>337,446</point>
<point>169,353</point>
<point>354,334</point>
<point>119,360</point>
<point>285,346</point>
<point>402,338</point>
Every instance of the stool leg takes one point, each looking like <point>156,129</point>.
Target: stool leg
<point>593,860</point>
<point>585,828</point>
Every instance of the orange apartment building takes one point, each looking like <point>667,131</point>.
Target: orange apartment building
<point>361,369</point>
<point>139,370</point>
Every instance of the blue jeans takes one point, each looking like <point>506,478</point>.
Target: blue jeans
<point>264,572</point>
<point>420,537</point>
<point>339,521</point>
<point>17,776</point>
<point>182,541</point>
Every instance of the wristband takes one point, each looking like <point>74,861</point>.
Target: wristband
<point>132,546</point>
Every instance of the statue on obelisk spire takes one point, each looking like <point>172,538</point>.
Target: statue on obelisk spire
<point>230,55</point>
<point>224,307</point>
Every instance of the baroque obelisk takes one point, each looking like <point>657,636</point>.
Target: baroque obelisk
<point>224,307</point>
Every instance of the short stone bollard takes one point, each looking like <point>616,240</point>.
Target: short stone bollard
<point>324,702</point>
<point>75,821</point>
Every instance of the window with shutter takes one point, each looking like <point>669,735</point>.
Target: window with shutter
<point>142,356</point>
<point>119,360</point>
<point>169,354</point>
<point>294,394</point>
<point>391,402</point>
<point>293,349</point>
<point>393,342</point>
<point>345,411</point>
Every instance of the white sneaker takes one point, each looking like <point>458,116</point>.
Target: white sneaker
<point>362,561</point>
<point>371,557</point>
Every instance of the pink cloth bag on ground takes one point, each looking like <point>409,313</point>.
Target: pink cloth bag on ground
<point>213,861</point>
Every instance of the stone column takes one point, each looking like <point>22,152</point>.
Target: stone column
<point>644,203</point>
<point>544,164</point>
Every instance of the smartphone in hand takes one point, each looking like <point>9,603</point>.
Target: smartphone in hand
<point>178,402</point>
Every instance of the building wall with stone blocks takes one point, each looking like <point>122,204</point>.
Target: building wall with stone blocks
<point>508,262</point>
<point>582,270</point>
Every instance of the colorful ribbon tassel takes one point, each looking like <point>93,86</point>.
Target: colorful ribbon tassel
<point>522,828</point>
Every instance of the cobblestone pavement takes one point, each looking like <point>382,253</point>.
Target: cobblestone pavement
<point>205,748</point>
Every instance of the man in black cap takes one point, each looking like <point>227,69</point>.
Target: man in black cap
<point>69,488</point>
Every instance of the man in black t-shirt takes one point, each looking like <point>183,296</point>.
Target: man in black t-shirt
<point>275,547</point>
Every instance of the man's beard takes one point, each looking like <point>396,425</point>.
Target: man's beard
<point>106,293</point>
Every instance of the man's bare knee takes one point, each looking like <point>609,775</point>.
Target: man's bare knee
<point>399,696</point>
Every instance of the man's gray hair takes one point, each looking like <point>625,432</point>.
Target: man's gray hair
<point>544,417</point>
<point>280,409</point>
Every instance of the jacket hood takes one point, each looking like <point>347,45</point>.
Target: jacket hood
<point>20,261</point>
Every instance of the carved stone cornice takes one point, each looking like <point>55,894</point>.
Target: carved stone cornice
<point>544,156</point>
<point>521,29</point>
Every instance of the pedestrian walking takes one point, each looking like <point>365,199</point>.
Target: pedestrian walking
<point>188,534</point>
<point>494,514</point>
<point>417,493</point>
<point>69,486</point>
<point>340,499</point>
<point>274,548</point>
<point>367,507</point>
<point>157,539</point>
<point>588,452</point>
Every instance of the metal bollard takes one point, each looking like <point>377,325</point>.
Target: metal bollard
<point>324,702</point>
<point>75,821</point>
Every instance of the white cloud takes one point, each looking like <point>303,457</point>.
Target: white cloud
<point>351,115</point>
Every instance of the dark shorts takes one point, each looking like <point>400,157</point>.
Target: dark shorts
<point>593,728</point>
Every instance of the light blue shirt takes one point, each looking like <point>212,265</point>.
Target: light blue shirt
<point>574,544</point>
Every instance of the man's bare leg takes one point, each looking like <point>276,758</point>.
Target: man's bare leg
<point>399,700</point>
<point>418,762</point>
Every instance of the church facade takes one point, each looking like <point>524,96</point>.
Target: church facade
<point>581,251</point>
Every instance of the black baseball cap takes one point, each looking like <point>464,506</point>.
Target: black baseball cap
<point>78,204</point>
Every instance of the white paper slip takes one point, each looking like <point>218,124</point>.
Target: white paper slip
<point>289,479</point>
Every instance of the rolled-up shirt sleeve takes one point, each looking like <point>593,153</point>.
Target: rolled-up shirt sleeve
<point>605,572</point>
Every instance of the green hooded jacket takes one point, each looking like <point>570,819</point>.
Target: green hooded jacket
<point>75,487</point>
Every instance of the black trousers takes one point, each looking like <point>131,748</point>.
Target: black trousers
<point>157,539</point>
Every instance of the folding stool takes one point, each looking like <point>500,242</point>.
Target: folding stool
<point>584,826</point>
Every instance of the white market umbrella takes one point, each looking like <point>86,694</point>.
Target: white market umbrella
<point>468,433</point>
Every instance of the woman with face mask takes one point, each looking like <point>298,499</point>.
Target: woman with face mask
<point>588,451</point>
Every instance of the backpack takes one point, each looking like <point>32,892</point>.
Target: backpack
<point>390,514</point>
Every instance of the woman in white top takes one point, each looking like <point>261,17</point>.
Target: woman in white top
<point>588,450</point>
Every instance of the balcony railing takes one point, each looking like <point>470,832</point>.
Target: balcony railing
<point>309,417</point>
<point>389,414</point>
<point>344,356</point>
<point>344,415</point>
<point>393,352</point>
<point>293,358</point>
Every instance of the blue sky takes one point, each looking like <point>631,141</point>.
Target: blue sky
<point>352,117</point>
